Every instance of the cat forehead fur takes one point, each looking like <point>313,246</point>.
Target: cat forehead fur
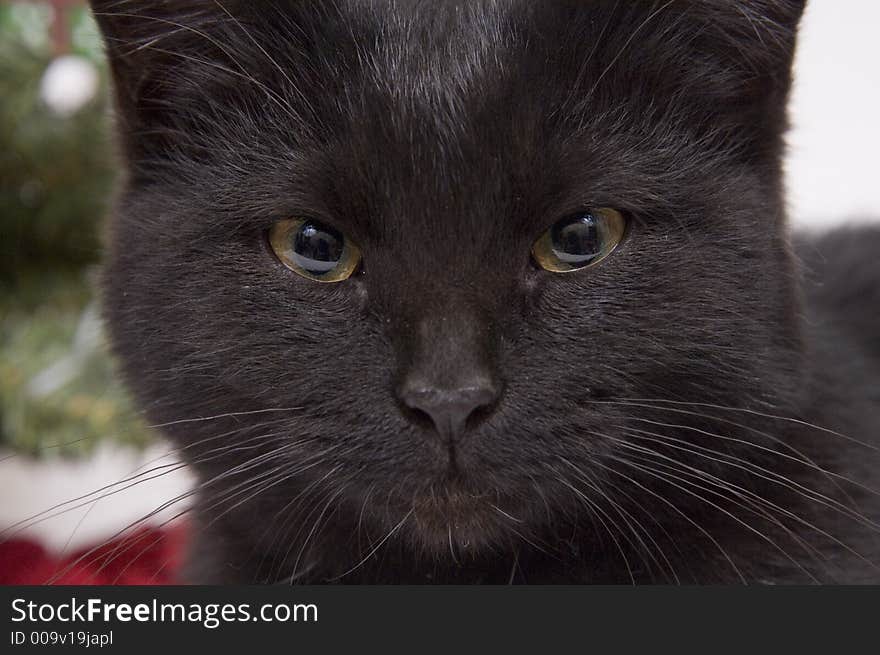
<point>483,118</point>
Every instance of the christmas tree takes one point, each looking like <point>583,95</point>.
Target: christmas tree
<point>57,390</point>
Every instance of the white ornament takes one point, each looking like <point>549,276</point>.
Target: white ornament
<point>68,84</point>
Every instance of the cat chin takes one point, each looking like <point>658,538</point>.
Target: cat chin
<point>457,524</point>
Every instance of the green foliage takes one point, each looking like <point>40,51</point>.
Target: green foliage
<point>55,172</point>
<point>57,389</point>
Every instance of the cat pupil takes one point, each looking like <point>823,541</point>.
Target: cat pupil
<point>317,248</point>
<point>577,241</point>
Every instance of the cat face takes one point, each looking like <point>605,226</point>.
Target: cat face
<point>449,388</point>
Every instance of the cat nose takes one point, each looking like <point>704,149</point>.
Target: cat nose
<point>449,409</point>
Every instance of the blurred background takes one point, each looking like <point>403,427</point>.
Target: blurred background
<point>66,427</point>
<point>57,170</point>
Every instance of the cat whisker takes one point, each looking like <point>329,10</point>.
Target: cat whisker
<point>616,488</point>
<point>364,505</point>
<point>756,470</point>
<point>267,480</point>
<point>227,494</point>
<point>283,532</point>
<point>677,510</point>
<point>451,545</point>
<point>165,505</point>
<point>800,458</point>
<point>505,514</point>
<point>599,513</point>
<point>788,419</point>
<point>638,529</point>
<point>513,568</point>
<point>376,548</point>
<point>291,509</point>
<point>46,515</point>
<point>748,500</point>
<point>200,419</point>
<point>670,480</point>
<point>90,556</point>
<point>742,492</point>
<point>335,495</point>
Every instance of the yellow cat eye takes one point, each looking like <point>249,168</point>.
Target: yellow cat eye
<point>314,250</point>
<point>579,240</point>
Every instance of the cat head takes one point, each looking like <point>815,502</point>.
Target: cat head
<point>539,219</point>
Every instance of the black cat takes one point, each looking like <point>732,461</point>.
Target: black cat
<point>489,291</point>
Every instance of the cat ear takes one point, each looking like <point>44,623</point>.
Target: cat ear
<point>157,51</point>
<point>747,48</point>
<point>784,13</point>
<point>759,30</point>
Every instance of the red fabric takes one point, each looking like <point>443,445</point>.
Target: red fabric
<point>144,557</point>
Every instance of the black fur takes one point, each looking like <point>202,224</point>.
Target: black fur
<point>686,411</point>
